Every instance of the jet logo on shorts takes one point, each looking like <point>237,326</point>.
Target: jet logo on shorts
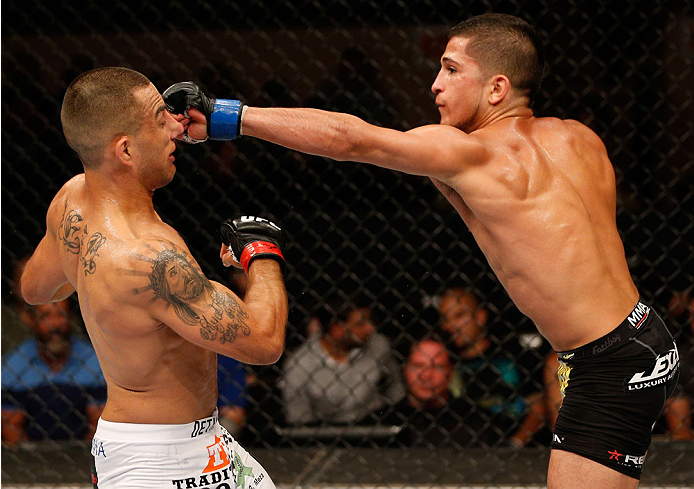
<point>665,368</point>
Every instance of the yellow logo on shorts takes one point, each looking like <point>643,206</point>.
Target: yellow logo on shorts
<point>563,373</point>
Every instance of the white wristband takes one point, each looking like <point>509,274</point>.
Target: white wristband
<point>243,112</point>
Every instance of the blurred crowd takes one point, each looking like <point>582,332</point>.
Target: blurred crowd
<point>460,382</point>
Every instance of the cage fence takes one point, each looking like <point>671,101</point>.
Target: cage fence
<point>362,238</point>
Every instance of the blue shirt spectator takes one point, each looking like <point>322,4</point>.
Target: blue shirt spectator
<point>52,385</point>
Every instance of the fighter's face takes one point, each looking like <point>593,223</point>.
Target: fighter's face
<point>155,140</point>
<point>458,86</point>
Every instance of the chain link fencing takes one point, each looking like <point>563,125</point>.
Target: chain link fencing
<point>386,242</point>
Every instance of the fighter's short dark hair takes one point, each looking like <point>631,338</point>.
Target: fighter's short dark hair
<point>505,44</point>
<point>98,105</point>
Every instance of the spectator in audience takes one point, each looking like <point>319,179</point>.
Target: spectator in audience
<point>17,313</point>
<point>343,375</point>
<point>486,377</point>
<point>428,415</point>
<point>52,385</point>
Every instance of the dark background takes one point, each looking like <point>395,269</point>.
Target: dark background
<point>623,68</point>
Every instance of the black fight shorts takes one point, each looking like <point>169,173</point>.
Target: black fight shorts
<point>614,390</point>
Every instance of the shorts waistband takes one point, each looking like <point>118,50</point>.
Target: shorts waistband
<point>628,328</point>
<point>131,432</point>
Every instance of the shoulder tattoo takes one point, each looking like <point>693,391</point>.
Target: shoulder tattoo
<point>69,232</point>
<point>90,253</point>
<point>70,225</point>
<point>176,279</point>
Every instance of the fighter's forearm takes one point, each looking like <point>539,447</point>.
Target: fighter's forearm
<point>331,134</point>
<point>253,330</point>
<point>266,300</point>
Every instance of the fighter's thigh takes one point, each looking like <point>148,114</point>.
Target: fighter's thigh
<point>570,471</point>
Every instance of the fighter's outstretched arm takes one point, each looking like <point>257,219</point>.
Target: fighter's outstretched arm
<point>435,150</point>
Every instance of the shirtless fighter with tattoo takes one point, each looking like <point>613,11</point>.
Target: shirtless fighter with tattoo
<point>539,196</point>
<point>156,322</point>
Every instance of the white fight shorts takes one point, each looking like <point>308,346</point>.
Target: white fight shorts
<point>201,454</point>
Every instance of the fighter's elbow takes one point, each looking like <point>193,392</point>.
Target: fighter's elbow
<point>349,139</point>
<point>36,292</point>
<point>30,293</point>
<point>271,351</point>
<point>269,344</point>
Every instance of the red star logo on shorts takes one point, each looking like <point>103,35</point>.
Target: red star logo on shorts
<point>615,455</point>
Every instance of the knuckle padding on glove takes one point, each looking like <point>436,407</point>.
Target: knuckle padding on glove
<point>180,96</point>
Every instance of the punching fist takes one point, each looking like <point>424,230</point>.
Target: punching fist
<point>223,116</point>
<point>251,237</point>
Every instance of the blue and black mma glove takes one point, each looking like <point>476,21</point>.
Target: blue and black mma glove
<point>251,237</point>
<point>223,116</point>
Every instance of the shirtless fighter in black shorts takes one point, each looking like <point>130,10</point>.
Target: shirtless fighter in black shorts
<point>539,196</point>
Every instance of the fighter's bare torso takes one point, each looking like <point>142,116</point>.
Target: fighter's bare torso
<point>541,206</point>
<point>107,253</point>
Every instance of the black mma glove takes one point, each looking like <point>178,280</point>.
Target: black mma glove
<point>251,237</point>
<point>223,116</point>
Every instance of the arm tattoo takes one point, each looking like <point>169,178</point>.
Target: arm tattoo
<point>224,306</point>
<point>69,226</point>
<point>178,281</point>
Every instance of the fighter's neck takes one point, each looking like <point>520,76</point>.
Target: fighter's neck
<point>119,193</point>
<point>507,115</point>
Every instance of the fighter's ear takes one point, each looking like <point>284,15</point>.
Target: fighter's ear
<point>123,149</point>
<point>500,85</point>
